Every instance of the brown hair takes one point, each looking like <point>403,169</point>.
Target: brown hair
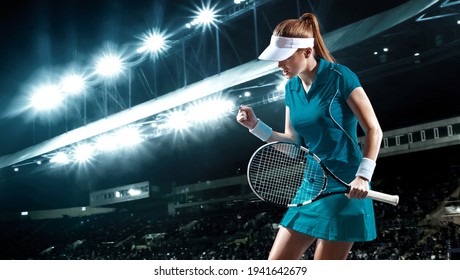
<point>305,27</point>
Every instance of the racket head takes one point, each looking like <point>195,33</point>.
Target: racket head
<point>286,174</point>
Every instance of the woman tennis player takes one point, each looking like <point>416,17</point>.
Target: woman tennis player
<point>324,104</point>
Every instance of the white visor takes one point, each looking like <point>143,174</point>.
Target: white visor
<point>282,48</point>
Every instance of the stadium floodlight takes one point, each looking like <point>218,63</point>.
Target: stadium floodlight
<point>209,110</point>
<point>128,136</point>
<point>152,42</point>
<point>73,84</point>
<point>83,153</point>
<point>178,120</point>
<point>125,137</point>
<point>109,65</point>
<point>61,158</point>
<point>46,97</point>
<point>106,143</point>
<point>204,16</point>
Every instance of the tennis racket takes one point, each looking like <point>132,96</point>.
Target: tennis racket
<point>290,175</point>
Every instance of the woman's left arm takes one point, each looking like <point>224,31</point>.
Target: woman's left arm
<point>361,106</point>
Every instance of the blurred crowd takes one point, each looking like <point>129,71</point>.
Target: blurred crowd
<point>243,232</point>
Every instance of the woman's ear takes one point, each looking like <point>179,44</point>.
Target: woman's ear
<point>307,52</point>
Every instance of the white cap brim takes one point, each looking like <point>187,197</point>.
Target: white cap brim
<point>282,48</point>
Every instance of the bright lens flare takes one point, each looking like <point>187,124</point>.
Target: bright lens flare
<point>109,66</point>
<point>106,143</point>
<point>178,120</point>
<point>128,136</point>
<point>210,110</point>
<point>73,84</point>
<point>60,158</point>
<point>83,153</point>
<point>153,43</point>
<point>206,16</point>
<point>46,97</point>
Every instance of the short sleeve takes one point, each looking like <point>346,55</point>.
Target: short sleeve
<point>348,82</point>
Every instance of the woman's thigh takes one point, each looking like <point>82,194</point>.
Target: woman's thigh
<point>290,245</point>
<point>332,250</point>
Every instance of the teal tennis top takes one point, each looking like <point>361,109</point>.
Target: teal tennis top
<point>328,127</point>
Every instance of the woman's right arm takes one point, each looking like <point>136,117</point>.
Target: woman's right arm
<point>247,118</point>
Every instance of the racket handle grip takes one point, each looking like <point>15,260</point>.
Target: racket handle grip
<point>383,197</point>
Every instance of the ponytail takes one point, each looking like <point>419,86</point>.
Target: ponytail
<point>320,47</point>
<point>305,27</point>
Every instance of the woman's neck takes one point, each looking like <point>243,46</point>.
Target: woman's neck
<point>308,75</point>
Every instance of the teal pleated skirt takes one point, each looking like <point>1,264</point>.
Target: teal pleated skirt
<point>335,218</point>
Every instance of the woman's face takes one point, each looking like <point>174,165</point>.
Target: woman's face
<point>295,64</point>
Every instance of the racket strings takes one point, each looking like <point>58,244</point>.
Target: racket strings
<point>278,171</point>
<point>314,179</point>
